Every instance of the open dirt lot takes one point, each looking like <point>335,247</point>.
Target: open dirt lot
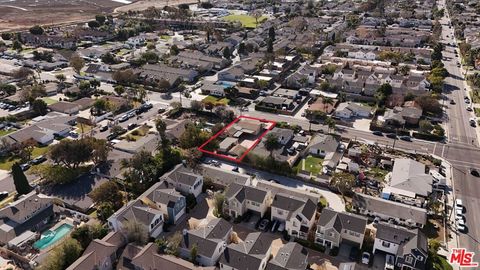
<point>20,14</point>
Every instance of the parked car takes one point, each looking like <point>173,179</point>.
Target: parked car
<point>377,133</point>
<point>353,256</point>
<point>263,224</point>
<point>365,258</point>
<point>38,160</point>
<point>391,135</point>
<point>235,169</point>
<point>131,114</point>
<point>474,172</point>
<point>469,108</point>
<point>281,227</point>
<point>103,128</point>
<point>3,195</point>
<point>123,118</point>
<point>406,138</point>
<point>462,228</point>
<point>112,136</point>
<point>131,126</point>
<point>24,166</point>
<point>452,102</point>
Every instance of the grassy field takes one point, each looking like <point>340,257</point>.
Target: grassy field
<point>4,132</point>
<point>49,101</point>
<point>477,112</point>
<point>246,20</point>
<point>7,162</point>
<point>216,101</point>
<point>312,164</point>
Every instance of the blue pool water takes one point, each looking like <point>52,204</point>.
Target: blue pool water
<point>49,237</point>
<point>226,84</point>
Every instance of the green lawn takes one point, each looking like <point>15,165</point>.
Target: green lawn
<point>312,164</point>
<point>4,132</point>
<point>477,112</point>
<point>246,20</point>
<point>7,162</point>
<point>165,37</point>
<point>49,101</point>
<point>216,101</point>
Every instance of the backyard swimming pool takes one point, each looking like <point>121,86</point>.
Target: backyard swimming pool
<point>49,237</point>
<point>226,84</point>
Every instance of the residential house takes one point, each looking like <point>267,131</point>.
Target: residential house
<point>409,180</point>
<point>284,135</point>
<point>252,253</point>
<point>31,211</point>
<point>216,90</point>
<point>321,145</point>
<point>210,239</point>
<point>239,199</point>
<point>148,258</point>
<point>320,106</point>
<point>298,214</point>
<point>389,210</point>
<point>347,110</point>
<point>224,178</point>
<point>279,103</point>
<point>247,92</point>
<point>166,72</point>
<point>291,256</point>
<point>216,63</point>
<point>101,254</point>
<point>44,131</point>
<point>184,180</point>
<point>245,126</point>
<point>159,204</point>
<point>65,107</point>
<point>409,247</point>
<point>234,74</point>
<point>48,41</point>
<point>399,116</point>
<point>335,227</point>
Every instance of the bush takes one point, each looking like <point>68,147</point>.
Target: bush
<point>265,109</point>
<point>428,137</point>
<point>334,251</point>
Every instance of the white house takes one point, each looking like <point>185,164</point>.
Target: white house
<point>334,227</point>
<point>253,253</point>
<point>239,199</point>
<point>321,145</point>
<point>298,214</point>
<point>210,239</point>
<point>347,110</point>
<point>184,180</point>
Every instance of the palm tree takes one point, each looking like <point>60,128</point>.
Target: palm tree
<point>272,143</point>
<point>330,123</point>
<point>327,101</point>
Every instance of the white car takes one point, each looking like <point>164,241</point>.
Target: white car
<point>458,203</point>
<point>365,258</point>
<point>460,222</point>
<point>458,217</point>
<point>458,211</point>
<point>461,228</point>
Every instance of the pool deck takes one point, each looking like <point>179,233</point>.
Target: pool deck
<point>68,221</point>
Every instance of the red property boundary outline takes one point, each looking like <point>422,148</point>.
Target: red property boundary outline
<point>257,141</point>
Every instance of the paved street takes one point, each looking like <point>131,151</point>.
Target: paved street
<point>461,151</point>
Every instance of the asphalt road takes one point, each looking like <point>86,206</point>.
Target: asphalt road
<point>462,149</point>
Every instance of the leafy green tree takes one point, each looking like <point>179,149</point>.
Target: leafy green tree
<point>272,143</point>
<point>150,57</point>
<point>330,123</point>
<point>36,30</point>
<point>39,107</point>
<point>119,90</point>
<point>104,211</point>
<point>61,79</point>
<point>109,58</point>
<point>425,126</point>
<point>271,33</point>
<point>100,19</point>
<point>343,181</point>
<point>136,232</point>
<point>383,92</point>
<point>6,36</point>
<point>108,192</point>
<point>194,254</point>
<point>174,50</point>
<point>20,180</point>
<point>93,24</point>
<point>226,53</point>
<point>77,62</point>
<point>196,105</point>
<point>9,89</point>
<point>17,46</point>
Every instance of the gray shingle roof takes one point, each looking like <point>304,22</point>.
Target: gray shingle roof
<point>291,256</point>
<point>181,174</point>
<point>409,175</point>
<point>245,192</point>
<point>249,253</point>
<point>207,237</point>
<point>339,221</point>
<point>292,204</point>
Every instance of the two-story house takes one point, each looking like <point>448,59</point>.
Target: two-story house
<point>239,199</point>
<point>253,253</point>
<point>410,247</point>
<point>298,214</point>
<point>159,204</point>
<point>291,256</point>
<point>210,239</point>
<point>184,180</point>
<point>101,254</point>
<point>31,211</point>
<point>334,227</point>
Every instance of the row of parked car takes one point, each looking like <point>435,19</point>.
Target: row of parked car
<point>143,108</point>
<point>459,217</point>
<point>35,161</point>
<point>393,136</point>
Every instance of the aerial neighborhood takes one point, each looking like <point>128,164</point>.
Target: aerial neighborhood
<point>241,135</point>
